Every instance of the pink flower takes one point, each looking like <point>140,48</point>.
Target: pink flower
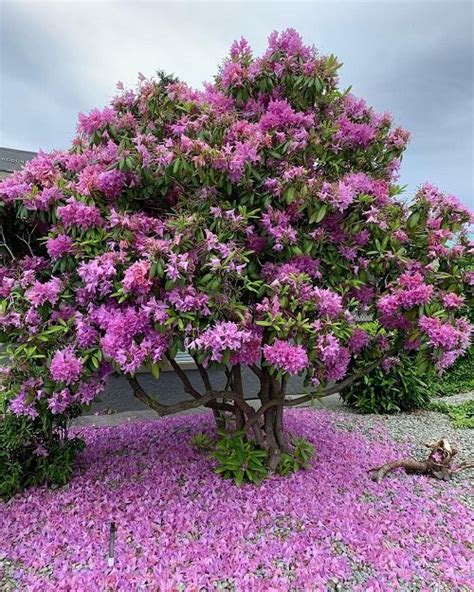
<point>358,340</point>
<point>96,119</point>
<point>19,406</point>
<point>221,337</point>
<point>40,293</point>
<point>286,356</point>
<point>328,302</point>
<point>76,213</point>
<point>59,246</point>
<point>58,402</point>
<point>136,277</point>
<point>65,366</point>
<point>453,300</point>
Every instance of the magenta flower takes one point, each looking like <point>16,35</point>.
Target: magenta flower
<point>40,293</point>
<point>65,366</point>
<point>59,246</point>
<point>286,356</point>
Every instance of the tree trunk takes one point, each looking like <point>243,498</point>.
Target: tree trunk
<point>275,440</point>
<point>237,387</point>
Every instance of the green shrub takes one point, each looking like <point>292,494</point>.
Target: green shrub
<point>35,452</point>
<point>299,457</point>
<point>398,388</point>
<point>458,379</point>
<point>239,458</point>
<point>202,443</point>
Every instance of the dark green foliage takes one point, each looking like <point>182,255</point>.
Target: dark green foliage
<point>401,388</point>
<point>299,457</point>
<point>240,458</point>
<point>34,452</point>
<point>458,379</point>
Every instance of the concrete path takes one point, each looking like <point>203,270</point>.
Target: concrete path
<point>168,389</point>
<point>118,417</point>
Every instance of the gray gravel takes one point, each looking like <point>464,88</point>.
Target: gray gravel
<point>455,399</point>
<point>414,428</point>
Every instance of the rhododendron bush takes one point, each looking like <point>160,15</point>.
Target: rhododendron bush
<point>252,223</point>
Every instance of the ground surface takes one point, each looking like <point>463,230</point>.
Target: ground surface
<point>180,527</point>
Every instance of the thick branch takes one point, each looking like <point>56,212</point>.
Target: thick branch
<point>438,463</point>
<point>206,400</point>
<point>256,370</point>
<point>145,398</point>
<point>237,387</point>
<point>204,375</point>
<point>463,466</point>
<point>409,464</point>
<point>305,398</point>
<point>188,387</point>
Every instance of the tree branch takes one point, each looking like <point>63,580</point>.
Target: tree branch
<point>205,400</point>
<point>188,387</point>
<point>145,398</point>
<point>256,370</point>
<point>305,398</point>
<point>204,375</point>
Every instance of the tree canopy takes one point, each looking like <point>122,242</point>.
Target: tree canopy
<point>255,222</point>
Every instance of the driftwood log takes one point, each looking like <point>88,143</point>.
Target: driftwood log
<point>437,465</point>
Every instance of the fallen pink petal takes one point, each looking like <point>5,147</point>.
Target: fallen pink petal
<point>181,527</point>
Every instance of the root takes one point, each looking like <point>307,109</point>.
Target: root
<point>437,465</point>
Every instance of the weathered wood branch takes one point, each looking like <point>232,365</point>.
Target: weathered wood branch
<point>437,465</point>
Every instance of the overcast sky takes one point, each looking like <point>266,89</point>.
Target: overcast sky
<point>413,58</point>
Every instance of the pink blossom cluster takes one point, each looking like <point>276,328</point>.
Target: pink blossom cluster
<point>59,246</point>
<point>137,277</point>
<point>96,119</point>
<point>188,299</point>
<point>335,357</point>
<point>23,402</point>
<point>328,302</point>
<point>286,356</point>
<point>358,340</point>
<point>128,337</point>
<point>79,214</point>
<point>454,338</point>
<point>222,337</point>
<point>66,366</point>
<point>97,275</point>
<point>296,266</point>
<point>412,291</point>
<point>278,225</point>
<point>40,293</point>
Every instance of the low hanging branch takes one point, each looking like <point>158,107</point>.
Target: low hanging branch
<point>437,465</point>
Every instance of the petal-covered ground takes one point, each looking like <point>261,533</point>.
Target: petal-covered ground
<point>180,527</point>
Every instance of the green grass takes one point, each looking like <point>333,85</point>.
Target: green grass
<point>462,414</point>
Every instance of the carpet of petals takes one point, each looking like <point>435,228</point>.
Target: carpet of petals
<point>180,527</point>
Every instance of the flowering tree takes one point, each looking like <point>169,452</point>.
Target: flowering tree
<point>253,223</point>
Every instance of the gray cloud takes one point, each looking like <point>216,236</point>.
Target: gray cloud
<point>414,59</point>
